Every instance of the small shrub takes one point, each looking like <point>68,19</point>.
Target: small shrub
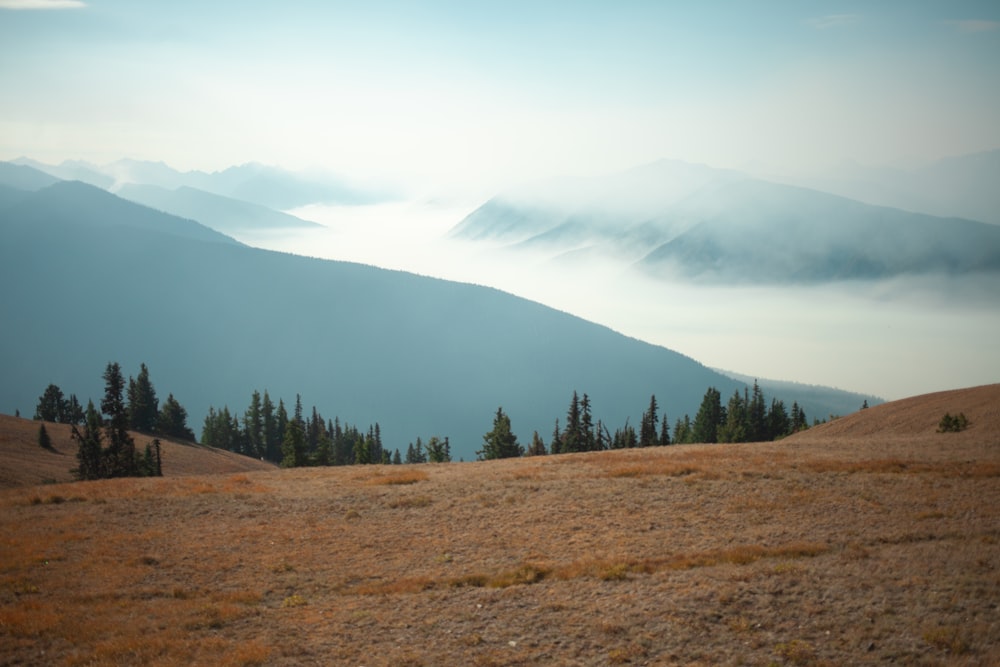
<point>946,638</point>
<point>295,600</point>
<point>796,652</point>
<point>952,424</point>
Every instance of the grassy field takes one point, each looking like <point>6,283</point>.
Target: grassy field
<point>868,540</point>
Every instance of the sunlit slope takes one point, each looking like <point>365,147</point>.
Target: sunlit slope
<point>24,462</point>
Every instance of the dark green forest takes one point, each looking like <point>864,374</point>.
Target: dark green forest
<point>267,431</point>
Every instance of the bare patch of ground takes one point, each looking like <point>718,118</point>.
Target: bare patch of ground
<point>857,545</point>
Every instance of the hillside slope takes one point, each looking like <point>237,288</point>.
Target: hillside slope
<point>917,419</point>
<point>798,552</point>
<point>101,279</point>
<point>23,462</point>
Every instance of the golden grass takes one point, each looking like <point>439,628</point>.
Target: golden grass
<point>785,553</point>
<point>407,476</point>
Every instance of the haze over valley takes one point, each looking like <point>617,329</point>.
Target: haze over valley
<point>790,194</point>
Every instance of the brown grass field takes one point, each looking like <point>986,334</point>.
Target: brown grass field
<point>871,539</point>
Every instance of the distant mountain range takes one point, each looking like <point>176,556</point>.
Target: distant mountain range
<point>690,222</point>
<point>224,214</point>
<point>963,186</point>
<point>259,184</point>
<point>94,278</point>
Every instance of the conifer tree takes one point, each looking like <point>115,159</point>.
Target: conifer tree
<point>253,427</point>
<point>44,441</point>
<point>89,453</point>
<point>120,453</point>
<point>735,427</point>
<point>396,458</point>
<point>293,447</point>
<point>173,420</point>
<point>537,447</point>
<point>587,439</point>
<point>272,439</point>
<point>51,404</point>
<point>647,427</point>
<point>664,431</point>
<point>572,437</point>
<point>74,411</point>
<point>500,442</point>
<point>142,402</point>
<point>556,446</point>
<point>438,451</point>
<point>708,419</point>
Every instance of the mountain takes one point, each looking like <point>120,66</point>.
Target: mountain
<point>263,185</point>
<point>962,186</point>
<point>675,220</point>
<point>224,214</point>
<point>24,177</point>
<point>763,232</point>
<point>71,170</point>
<point>101,279</point>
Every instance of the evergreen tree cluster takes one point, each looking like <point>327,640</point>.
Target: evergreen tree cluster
<point>266,431</point>
<point>105,447</point>
<point>747,417</point>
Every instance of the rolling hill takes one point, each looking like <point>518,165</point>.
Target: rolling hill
<point>101,279</point>
<point>871,540</point>
<point>24,463</point>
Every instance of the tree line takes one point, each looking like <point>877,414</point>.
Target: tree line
<point>105,446</point>
<point>267,431</point>
<point>746,417</point>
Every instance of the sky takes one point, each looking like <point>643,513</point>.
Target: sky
<point>455,101</point>
<point>473,97</point>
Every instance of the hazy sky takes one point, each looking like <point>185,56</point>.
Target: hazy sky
<point>480,95</point>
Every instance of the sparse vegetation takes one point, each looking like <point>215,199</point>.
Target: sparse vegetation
<point>811,551</point>
<point>953,423</point>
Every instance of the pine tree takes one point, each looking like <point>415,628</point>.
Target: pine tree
<point>120,452</point>
<point>778,423</point>
<point>438,450</point>
<point>253,427</point>
<point>272,439</point>
<point>51,405</point>
<point>735,427</point>
<point>682,431</point>
<point>647,427</point>
<point>89,453</point>
<point>396,458</point>
<point>173,420</point>
<point>293,447</point>
<point>44,441</point>
<point>537,447</point>
<point>142,402</point>
<point>572,437</point>
<point>708,419</point>
<point>664,431</point>
<point>587,439</point>
<point>756,419</point>
<point>556,446</point>
<point>500,442</point>
<point>74,411</point>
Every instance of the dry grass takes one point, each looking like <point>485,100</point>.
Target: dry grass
<point>865,549</point>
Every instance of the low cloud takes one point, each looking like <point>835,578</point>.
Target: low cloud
<point>42,4</point>
<point>833,21</point>
<point>975,25</point>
